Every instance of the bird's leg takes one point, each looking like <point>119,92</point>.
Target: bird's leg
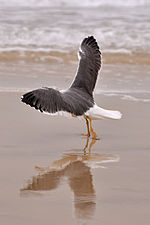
<point>94,135</point>
<point>88,130</point>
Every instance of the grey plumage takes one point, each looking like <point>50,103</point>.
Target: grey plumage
<point>79,97</point>
<point>51,101</point>
<point>89,65</point>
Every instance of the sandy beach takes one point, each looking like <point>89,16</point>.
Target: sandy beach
<point>107,185</point>
<point>49,173</point>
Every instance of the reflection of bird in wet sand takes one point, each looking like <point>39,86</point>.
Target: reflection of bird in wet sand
<point>78,99</point>
<point>76,166</point>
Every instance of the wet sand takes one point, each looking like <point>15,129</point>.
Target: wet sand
<point>105,183</point>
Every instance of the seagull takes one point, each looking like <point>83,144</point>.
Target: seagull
<point>77,100</point>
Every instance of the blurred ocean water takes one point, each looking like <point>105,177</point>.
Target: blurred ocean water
<point>88,3</point>
<point>39,40</point>
<point>43,30</point>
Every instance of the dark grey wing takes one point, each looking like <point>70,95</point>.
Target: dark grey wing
<point>51,101</point>
<point>89,65</point>
<point>44,99</point>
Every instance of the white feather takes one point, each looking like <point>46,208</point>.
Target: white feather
<point>79,57</point>
<point>97,112</point>
<point>60,113</point>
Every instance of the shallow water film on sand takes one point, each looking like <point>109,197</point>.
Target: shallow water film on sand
<point>50,174</point>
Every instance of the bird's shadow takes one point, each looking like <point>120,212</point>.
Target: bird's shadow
<point>76,167</point>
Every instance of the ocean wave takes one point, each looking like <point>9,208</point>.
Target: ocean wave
<point>126,95</point>
<point>65,37</point>
<point>55,33</point>
<point>23,43</point>
<point>134,99</point>
<point>72,3</point>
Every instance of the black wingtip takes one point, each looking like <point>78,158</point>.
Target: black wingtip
<point>90,41</point>
<point>28,99</point>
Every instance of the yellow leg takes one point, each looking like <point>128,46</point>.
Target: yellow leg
<point>94,136</point>
<point>88,130</point>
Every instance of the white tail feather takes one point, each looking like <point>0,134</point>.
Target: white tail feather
<point>97,112</point>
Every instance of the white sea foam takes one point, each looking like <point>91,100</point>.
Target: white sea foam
<point>135,99</point>
<point>48,28</point>
<point>68,3</point>
<point>119,92</point>
<point>42,39</point>
<point>128,95</point>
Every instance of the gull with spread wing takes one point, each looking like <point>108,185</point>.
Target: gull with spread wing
<point>78,99</point>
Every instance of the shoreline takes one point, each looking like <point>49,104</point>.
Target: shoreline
<point>50,56</point>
